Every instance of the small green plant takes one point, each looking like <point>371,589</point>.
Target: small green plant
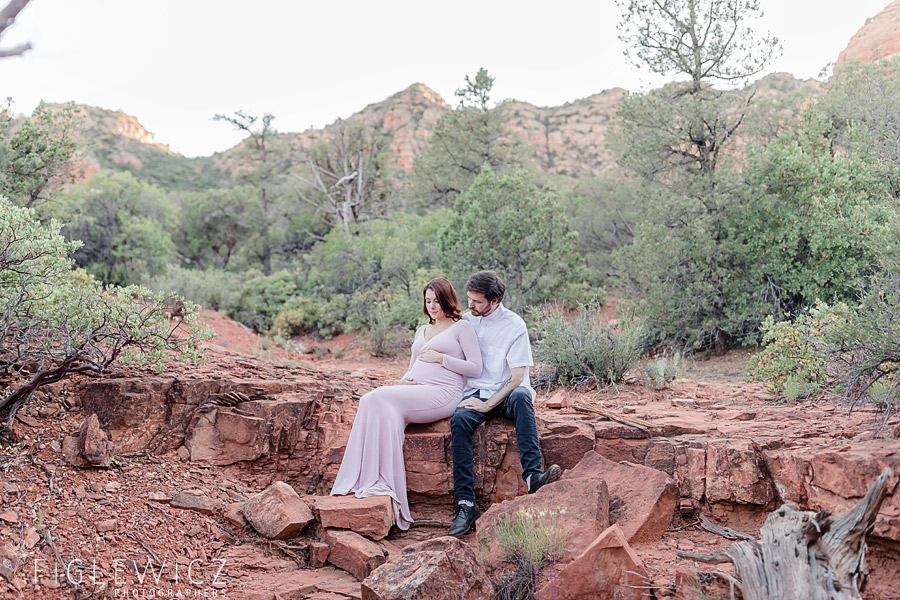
<point>338,352</point>
<point>663,372</point>
<point>320,351</point>
<point>530,540</point>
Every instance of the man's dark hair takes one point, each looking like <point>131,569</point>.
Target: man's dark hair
<point>487,283</point>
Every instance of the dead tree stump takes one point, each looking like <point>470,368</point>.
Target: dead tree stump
<point>816,556</point>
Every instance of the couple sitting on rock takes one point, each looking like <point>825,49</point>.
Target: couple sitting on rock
<point>473,367</point>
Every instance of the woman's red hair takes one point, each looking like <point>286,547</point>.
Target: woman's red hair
<point>446,297</point>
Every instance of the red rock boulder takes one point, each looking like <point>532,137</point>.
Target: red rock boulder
<point>90,448</point>
<point>608,568</point>
<point>277,512</point>
<point>642,500</point>
<point>440,569</point>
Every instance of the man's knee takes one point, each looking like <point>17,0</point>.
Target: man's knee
<point>520,399</point>
<point>463,421</point>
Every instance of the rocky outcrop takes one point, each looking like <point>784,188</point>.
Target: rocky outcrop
<point>878,38</point>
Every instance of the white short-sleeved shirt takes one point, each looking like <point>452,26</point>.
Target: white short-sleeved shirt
<point>504,343</point>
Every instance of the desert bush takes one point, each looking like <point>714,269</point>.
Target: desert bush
<point>530,541</point>
<point>384,338</point>
<point>864,349</point>
<point>55,321</point>
<point>579,350</point>
<point>794,362</point>
<point>210,288</point>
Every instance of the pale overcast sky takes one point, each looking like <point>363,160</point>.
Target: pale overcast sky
<point>175,63</point>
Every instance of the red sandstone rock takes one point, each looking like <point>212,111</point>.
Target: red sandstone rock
<point>439,569</point>
<point>201,504</point>
<point>642,500</point>
<point>833,477</point>
<point>9,561</point>
<point>560,399</point>
<point>877,38</point>
<point>90,448</point>
<point>565,443</point>
<point>234,515</point>
<point>107,525</point>
<point>608,568</point>
<point>318,554</point>
<point>371,517</point>
<point>353,553</point>
<point>277,512</point>
<point>735,472</point>
<point>579,507</point>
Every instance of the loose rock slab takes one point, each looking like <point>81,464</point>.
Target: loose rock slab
<point>90,448</point>
<point>353,553</point>
<point>440,569</point>
<point>371,517</point>
<point>579,507</point>
<point>277,512</point>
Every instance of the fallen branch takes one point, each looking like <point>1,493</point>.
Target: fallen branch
<point>630,421</point>
<point>725,532</point>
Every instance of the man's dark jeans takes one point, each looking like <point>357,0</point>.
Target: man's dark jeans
<point>519,409</point>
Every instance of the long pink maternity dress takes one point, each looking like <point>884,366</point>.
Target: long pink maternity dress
<point>373,461</point>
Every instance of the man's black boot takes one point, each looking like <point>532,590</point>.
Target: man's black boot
<point>548,476</point>
<point>465,519</point>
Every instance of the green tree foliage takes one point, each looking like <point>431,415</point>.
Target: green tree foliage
<point>37,154</point>
<point>464,141</point>
<point>505,222</point>
<point>266,160</point>
<point>817,222</point>
<point>123,224</point>
<point>55,321</point>
<point>373,277</point>
<point>681,268</point>
<point>863,100</point>
<point>214,225</point>
<point>704,39</point>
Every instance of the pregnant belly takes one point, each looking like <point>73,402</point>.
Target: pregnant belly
<point>434,374</point>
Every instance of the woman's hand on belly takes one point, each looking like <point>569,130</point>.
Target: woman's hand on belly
<point>431,356</point>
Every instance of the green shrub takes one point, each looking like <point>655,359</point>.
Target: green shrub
<point>530,540</point>
<point>210,288</point>
<point>864,349</point>
<point>795,359</point>
<point>57,321</point>
<point>262,298</point>
<point>579,350</point>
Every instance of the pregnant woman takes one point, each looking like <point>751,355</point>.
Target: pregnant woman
<point>444,353</point>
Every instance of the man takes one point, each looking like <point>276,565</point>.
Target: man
<point>502,390</point>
